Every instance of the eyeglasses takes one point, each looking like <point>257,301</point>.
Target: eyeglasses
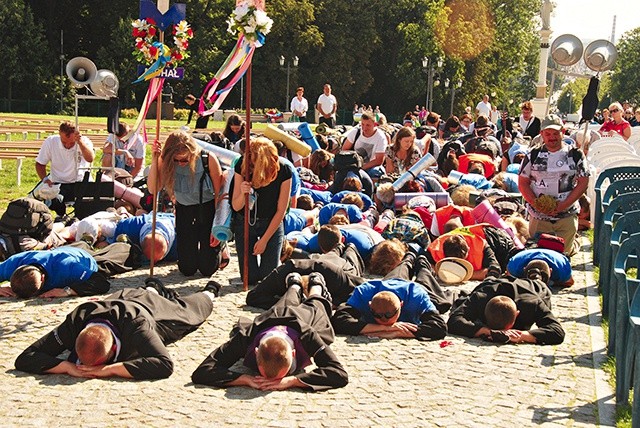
<point>526,109</point>
<point>182,161</point>
<point>386,315</point>
<point>614,110</point>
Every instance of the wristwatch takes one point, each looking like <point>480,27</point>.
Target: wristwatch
<point>68,290</point>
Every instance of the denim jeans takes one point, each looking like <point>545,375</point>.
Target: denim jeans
<point>269,260</point>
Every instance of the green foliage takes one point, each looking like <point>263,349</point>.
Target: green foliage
<point>625,84</point>
<point>181,113</point>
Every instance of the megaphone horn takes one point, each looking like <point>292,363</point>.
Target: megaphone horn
<point>566,49</point>
<point>81,71</point>
<point>105,84</point>
<point>600,55</point>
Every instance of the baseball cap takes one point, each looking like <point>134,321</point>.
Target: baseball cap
<point>552,121</point>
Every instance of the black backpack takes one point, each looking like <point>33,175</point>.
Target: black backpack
<point>27,216</point>
<point>347,160</point>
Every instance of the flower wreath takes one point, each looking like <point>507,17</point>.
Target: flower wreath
<point>253,23</point>
<point>146,51</point>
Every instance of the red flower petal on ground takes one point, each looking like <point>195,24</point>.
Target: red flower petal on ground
<point>445,343</point>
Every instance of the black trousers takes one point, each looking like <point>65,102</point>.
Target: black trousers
<point>193,231</point>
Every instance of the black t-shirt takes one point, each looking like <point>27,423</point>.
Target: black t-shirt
<point>267,196</point>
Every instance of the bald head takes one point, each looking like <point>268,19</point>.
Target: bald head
<point>159,245</point>
<point>385,307</point>
<point>94,344</point>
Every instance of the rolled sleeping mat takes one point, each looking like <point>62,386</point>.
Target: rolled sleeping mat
<point>221,226</point>
<point>226,157</point>
<point>308,137</point>
<point>292,143</point>
<point>288,126</point>
<point>128,194</point>
<point>424,162</point>
<point>484,213</point>
<point>440,198</point>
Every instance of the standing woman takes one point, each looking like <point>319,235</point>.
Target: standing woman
<point>403,153</point>
<point>270,184</point>
<point>180,170</point>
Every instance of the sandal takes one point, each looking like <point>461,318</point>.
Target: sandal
<point>224,256</point>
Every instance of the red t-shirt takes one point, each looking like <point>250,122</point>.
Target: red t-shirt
<point>611,125</point>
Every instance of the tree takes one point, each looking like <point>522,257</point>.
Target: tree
<point>625,82</point>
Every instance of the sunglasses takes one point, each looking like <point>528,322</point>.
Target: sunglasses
<point>182,161</point>
<point>614,110</point>
<point>386,315</point>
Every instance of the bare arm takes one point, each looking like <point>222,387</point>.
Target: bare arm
<point>87,152</point>
<point>348,145</point>
<point>377,160</point>
<point>41,170</point>
<point>154,171</point>
<point>276,221</point>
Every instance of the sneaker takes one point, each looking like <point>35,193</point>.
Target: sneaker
<point>294,278</point>
<point>316,279</point>
<point>213,287</point>
<point>162,290</point>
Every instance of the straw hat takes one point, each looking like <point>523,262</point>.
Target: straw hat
<point>453,270</point>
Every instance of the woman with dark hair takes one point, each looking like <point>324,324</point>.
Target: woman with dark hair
<point>269,189</point>
<point>403,152</point>
<point>234,129</point>
<point>181,170</point>
<point>450,128</point>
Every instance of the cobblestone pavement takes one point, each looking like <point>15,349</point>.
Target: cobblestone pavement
<point>392,383</point>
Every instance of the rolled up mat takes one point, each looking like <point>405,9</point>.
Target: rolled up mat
<point>226,157</point>
<point>440,198</point>
<point>484,213</point>
<point>292,143</point>
<point>308,137</point>
<point>128,194</point>
<point>221,226</point>
<point>424,162</point>
<point>288,126</point>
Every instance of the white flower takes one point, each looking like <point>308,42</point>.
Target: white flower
<point>240,12</point>
<point>182,27</point>
<point>249,30</point>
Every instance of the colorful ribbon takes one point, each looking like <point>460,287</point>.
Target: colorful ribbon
<point>155,87</point>
<point>163,56</point>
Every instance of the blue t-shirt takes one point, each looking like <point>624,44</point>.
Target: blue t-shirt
<point>559,263</point>
<point>476,180</point>
<point>362,241</point>
<point>294,220</point>
<point>63,265</point>
<point>365,198</point>
<point>323,196</point>
<point>328,211</point>
<point>136,228</point>
<point>414,298</point>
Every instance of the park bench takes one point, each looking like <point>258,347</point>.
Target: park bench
<point>19,156</point>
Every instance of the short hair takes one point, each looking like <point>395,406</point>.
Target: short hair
<point>527,105</point>
<point>338,219</point>
<point>385,301</point>
<point>300,88</point>
<point>386,193</point>
<point>616,105</point>
<point>482,121</point>
<point>368,116</point>
<point>93,344</point>
<point>287,251</point>
<point>329,237</point>
<point>452,224</point>
<point>433,118</point>
<point>460,194</point>
<point>500,312</point>
<point>520,226</point>
<point>122,130</point>
<point>475,167</point>
<point>26,281</point>
<point>190,97</point>
<point>352,183</point>
<point>537,269</point>
<point>353,199</point>
<point>455,246</point>
<point>386,256</point>
<point>274,356</point>
<point>67,128</point>
<point>305,202</point>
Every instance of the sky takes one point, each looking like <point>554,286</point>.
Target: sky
<point>593,19</point>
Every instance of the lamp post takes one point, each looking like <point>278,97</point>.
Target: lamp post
<point>455,86</point>
<point>293,63</point>
<point>570,94</point>
<point>430,70</point>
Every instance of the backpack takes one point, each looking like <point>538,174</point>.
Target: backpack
<point>27,216</point>
<point>347,160</point>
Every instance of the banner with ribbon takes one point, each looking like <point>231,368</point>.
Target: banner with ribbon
<point>251,23</point>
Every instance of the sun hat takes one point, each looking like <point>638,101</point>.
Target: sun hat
<point>454,270</point>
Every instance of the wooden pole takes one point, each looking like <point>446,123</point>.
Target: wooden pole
<point>247,177</point>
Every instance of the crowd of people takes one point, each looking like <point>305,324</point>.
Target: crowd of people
<point>419,206</point>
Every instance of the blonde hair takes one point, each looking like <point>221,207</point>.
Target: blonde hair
<point>520,227</point>
<point>263,165</point>
<point>177,143</point>
<point>386,255</point>
<point>460,195</point>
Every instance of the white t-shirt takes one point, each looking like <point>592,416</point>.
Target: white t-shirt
<point>300,105</point>
<point>135,146</point>
<point>484,109</point>
<point>66,165</point>
<point>368,147</point>
<point>327,103</point>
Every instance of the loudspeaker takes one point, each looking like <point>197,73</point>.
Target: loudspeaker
<point>82,71</point>
<point>105,84</point>
<point>566,49</point>
<point>600,55</point>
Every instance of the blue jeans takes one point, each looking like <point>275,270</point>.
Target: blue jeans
<point>269,260</point>
<point>375,172</point>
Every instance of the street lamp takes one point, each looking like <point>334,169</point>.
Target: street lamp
<point>570,95</point>
<point>457,85</point>
<point>430,70</point>
<point>293,63</point>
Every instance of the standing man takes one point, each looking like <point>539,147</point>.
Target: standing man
<point>69,154</point>
<point>370,142</point>
<point>327,106</point>
<point>299,106</point>
<point>552,179</point>
<point>528,122</point>
<point>129,153</point>
<point>484,107</point>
